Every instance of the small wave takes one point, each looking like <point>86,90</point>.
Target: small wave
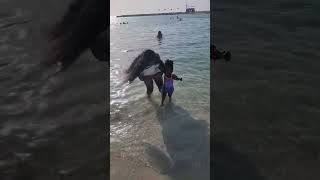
<point>127,50</point>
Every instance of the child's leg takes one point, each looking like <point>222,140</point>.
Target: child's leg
<point>170,92</point>
<point>164,94</point>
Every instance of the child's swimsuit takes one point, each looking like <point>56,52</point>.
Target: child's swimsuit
<point>168,85</point>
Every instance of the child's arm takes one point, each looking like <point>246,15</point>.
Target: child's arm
<point>176,77</point>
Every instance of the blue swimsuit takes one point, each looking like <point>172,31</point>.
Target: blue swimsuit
<point>168,85</point>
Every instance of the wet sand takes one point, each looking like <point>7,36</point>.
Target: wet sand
<point>265,103</point>
<point>182,152</point>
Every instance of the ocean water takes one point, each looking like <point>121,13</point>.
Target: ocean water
<point>170,142</point>
<point>50,127</point>
<point>266,101</point>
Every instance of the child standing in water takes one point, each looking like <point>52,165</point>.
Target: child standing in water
<point>168,81</point>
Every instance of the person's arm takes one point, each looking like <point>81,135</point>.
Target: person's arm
<point>161,67</point>
<point>175,77</point>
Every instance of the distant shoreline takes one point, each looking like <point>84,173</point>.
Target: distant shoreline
<point>160,14</point>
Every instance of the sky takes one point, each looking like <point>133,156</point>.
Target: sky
<point>122,7</point>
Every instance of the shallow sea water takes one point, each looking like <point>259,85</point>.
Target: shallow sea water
<point>147,140</point>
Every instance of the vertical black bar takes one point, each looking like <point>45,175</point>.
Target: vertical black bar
<point>211,93</point>
<point>54,91</point>
<point>107,162</point>
<point>265,102</point>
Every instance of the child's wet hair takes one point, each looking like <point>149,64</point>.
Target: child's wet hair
<point>168,64</point>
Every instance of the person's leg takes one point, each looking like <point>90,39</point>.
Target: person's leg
<point>170,92</point>
<point>158,80</point>
<point>149,85</point>
<point>164,94</point>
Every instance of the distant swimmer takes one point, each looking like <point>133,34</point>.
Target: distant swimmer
<point>159,36</point>
<point>216,54</point>
<point>168,79</point>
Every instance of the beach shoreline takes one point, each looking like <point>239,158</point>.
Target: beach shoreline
<point>162,14</point>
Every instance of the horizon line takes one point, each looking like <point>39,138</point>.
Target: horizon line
<point>164,13</point>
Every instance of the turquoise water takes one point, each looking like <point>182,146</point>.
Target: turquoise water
<point>138,122</point>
